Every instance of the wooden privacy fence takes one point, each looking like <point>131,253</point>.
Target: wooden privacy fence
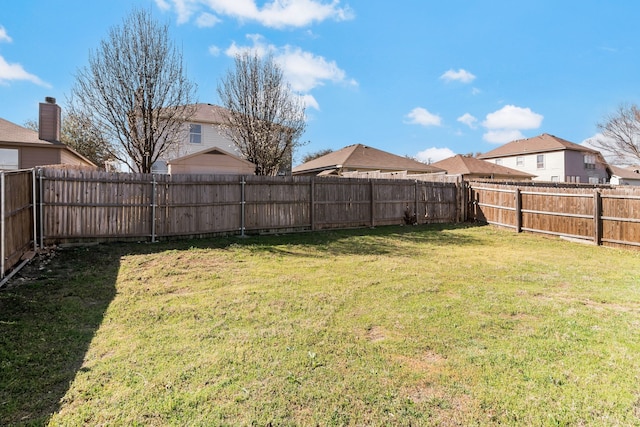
<point>609,216</point>
<point>85,205</point>
<point>17,217</point>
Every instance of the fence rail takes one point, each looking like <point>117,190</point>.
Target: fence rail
<point>609,216</point>
<point>80,205</point>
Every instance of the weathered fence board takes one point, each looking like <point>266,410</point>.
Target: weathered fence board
<point>609,216</point>
<point>17,220</point>
<point>84,205</point>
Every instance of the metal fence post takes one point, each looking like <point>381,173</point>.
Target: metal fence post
<point>242,205</point>
<point>2,224</point>
<point>153,209</point>
<point>40,207</point>
<point>33,210</point>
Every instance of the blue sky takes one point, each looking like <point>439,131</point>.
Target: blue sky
<point>413,77</point>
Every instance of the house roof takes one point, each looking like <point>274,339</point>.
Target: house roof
<point>631,172</point>
<point>360,156</point>
<point>12,133</point>
<point>538,144</point>
<point>208,113</point>
<point>462,165</point>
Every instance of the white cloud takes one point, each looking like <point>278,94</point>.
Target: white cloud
<point>468,120</point>
<point>433,154</point>
<point>274,14</point>
<point>214,50</point>
<point>420,116</point>
<point>502,136</point>
<point>303,70</point>
<point>10,72</point>
<point>4,37</point>
<point>310,102</point>
<point>505,124</point>
<point>461,75</point>
<point>207,20</point>
<point>512,117</point>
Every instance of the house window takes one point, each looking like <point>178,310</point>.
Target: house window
<point>554,179</point>
<point>589,161</point>
<point>498,161</point>
<point>540,161</point>
<point>9,159</point>
<point>594,180</point>
<point>519,161</point>
<point>195,134</point>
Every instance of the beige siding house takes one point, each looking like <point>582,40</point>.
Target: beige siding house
<point>551,159</point>
<point>22,148</point>
<point>203,139</point>
<point>211,161</point>
<point>361,158</point>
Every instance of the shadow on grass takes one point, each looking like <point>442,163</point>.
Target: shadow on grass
<point>49,313</point>
<point>52,309</point>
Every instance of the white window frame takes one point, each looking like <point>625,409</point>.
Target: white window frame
<point>7,161</point>
<point>540,161</point>
<point>519,161</point>
<point>195,133</point>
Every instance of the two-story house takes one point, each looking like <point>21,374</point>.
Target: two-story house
<point>204,149</point>
<point>552,159</point>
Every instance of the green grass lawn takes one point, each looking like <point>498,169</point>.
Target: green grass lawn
<point>426,325</point>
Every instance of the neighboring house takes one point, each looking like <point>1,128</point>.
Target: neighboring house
<point>625,176</point>
<point>471,168</point>
<point>211,161</point>
<point>551,159</point>
<point>22,148</point>
<point>202,132</point>
<point>360,158</point>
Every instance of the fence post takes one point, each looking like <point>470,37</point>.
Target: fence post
<point>242,205</point>
<point>415,210</point>
<point>518,210</point>
<point>597,214</point>
<point>2,224</point>
<point>33,209</point>
<point>373,208</point>
<point>312,201</point>
<point>41,208</point>
<point>153,208</point>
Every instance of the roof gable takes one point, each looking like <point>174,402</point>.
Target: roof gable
<point>359,156</point>
<point>210,151</point>
<point>538,144</point>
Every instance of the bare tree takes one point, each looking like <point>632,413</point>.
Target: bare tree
<point>135,91</point>
<point>265,119</point>
<point>620,140</point>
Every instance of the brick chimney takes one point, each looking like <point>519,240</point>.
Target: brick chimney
<point>49,120</point>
